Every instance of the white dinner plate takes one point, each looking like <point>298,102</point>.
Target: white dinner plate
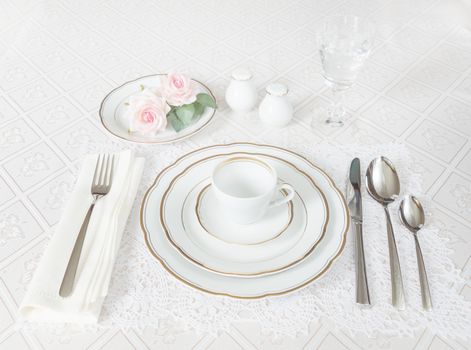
<point>113,116</point>
<point>185,232</point>
<point>306,271</point>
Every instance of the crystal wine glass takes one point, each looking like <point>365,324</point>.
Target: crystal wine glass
<point>344,42</point>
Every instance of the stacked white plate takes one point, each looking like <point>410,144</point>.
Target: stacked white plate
<point>290,247</point>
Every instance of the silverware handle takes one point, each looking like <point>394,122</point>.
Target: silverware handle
<point>398,297</point>
<point>424,287</point>
<point>362,292</point>
<point>67,285</point>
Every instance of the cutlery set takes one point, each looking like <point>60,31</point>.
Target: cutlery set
<point>382,183</point>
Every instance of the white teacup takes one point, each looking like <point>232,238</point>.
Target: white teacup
<point>245,188</point>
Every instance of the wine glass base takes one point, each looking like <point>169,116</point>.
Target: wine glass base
<point>334,120</point>
<point>334,123</point>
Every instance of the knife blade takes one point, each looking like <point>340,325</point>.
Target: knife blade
<point>355,180</point>
<point>356,214</point>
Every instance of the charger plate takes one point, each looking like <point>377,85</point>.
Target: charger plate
<point>297,276</point>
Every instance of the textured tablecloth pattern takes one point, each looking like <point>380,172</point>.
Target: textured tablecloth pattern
<point>58,59</point>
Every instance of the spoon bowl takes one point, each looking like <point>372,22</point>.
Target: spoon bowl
<point>382,181</point>
<point>412,213</point>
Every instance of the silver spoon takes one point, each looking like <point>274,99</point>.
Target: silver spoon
<point>413,217</point>
<point>382,183</point>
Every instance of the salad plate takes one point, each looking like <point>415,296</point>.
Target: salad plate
<point>306,271</point>
<point>114,119</point>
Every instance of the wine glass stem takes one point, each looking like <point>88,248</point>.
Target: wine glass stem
<point>337,111</point>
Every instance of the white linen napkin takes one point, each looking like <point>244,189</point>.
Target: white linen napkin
<point>42,301</point>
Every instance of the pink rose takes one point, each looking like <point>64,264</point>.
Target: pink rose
<point>178,89</point>
<point>147,112</point>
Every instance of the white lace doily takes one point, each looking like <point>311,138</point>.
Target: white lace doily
<point>142,292</point>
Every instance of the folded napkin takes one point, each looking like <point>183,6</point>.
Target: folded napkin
<point>42,301</point>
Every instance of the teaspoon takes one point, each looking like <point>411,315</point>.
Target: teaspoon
<point>413,217</point>
<point>382,183</point>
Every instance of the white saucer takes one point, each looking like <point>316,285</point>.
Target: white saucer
<point>307,270</point>
<point>113,118</point>
<point>214,221</point>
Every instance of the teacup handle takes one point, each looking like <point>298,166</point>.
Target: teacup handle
<point>286,198</point>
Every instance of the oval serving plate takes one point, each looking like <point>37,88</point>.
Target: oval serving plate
<point>112,114</point>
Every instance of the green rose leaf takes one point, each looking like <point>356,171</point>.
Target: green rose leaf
<point>176,123</point>
<point>206,100</point>
<point>199,108</point>
<point>185,113</point>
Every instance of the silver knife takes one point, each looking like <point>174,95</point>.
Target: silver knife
<point>356,215</point>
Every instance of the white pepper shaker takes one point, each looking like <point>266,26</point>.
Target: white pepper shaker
<point>276,109</point>
<point>241,94</point>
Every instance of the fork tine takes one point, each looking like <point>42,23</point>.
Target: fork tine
<point>97,168</point>
<point>112,169</point>
<point>101,178</point>
<point>109,170</point>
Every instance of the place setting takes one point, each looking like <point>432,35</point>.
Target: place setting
<point>298,221</point>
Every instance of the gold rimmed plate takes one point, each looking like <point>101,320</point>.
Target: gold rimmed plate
<point>192,240</point>
<point>113,117</point>
<point>297,276</point>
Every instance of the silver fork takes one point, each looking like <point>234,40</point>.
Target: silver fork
<point>101,185</point>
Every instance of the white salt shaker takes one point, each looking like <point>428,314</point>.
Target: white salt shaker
<point>276,109</point>
<point>241,94</point>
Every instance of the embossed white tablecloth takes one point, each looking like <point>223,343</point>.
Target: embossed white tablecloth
<point>59,58</point>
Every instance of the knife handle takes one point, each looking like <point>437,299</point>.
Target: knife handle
<point>362,292</point>
<point>398,297</point>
